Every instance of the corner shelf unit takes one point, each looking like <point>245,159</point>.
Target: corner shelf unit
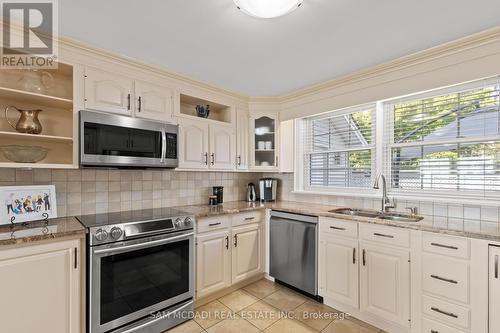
<point>57,116</point>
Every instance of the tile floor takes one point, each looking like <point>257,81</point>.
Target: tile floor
<point>264,306</point>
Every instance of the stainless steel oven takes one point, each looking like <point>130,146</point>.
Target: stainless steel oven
<point>120,141</point>
<point>140,275</point>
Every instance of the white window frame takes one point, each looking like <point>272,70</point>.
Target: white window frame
<point>382,159</point>
<point>299,177</point>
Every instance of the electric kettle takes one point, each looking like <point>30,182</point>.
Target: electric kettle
<point>251,194</point>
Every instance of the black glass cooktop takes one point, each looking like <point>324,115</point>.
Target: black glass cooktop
<point>95,220</point>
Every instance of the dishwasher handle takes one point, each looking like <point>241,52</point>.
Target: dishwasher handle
<point>294,217</point>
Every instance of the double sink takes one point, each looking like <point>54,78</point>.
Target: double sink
<point>391,216</point>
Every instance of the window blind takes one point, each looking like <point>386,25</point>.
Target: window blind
<point>339,149</point>
<point>448,141</point>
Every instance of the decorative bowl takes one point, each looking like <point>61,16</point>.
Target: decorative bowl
<point>24,154</point>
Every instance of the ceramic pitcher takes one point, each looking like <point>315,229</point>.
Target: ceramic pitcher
<point>28,121</point>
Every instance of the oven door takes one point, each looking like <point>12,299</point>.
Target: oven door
<point>131,280</point>
<point>113,140</point>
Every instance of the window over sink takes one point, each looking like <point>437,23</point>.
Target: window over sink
<point>441,142</point>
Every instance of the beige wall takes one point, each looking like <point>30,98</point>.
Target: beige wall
<point>90,191</point>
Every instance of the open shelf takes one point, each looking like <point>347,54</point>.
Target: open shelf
<point>33,98</point>
<point>34,137</point>
<point>218,112</point>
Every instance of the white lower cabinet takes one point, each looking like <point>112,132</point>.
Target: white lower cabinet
<point>385,283</point>
<point>247,252</point>
<point>226,255</point>
<point>41,288</point>
<point>494,289</point>
<point>213,262</point>
<point>339,270</point>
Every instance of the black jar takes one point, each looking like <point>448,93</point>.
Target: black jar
<point>218,191</point>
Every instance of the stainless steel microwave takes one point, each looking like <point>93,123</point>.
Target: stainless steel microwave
<point>108,140</point>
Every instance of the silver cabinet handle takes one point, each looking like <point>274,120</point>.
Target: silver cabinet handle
<point>239,160</point>
<point>353,255</point>
<point>364,257</point>
<point>276,160</point>
<point>128,102</point>
<point>227,242</point>
<point>337,228</point>
<point>446,313</point>
<point>140,104</point>
<point>214,224</point>
<point>445,246</point>
<point>249,218</point>
<point>206,158</point>
<point>496,267</point>
<point>382,235</point>
<point>434,331</point>
<point>235,240</point>
<point>444,279</point>
<point>213,158</point>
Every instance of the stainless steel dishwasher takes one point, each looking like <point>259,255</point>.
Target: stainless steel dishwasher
<point>294,250</point>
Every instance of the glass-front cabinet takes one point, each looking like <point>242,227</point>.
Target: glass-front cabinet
<point>265,141</point>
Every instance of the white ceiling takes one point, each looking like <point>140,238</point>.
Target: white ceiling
<point>210,40</point>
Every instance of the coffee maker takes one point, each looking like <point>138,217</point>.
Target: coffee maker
<point>268,188</point>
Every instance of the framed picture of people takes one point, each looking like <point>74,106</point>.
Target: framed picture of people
<point>27,203</point>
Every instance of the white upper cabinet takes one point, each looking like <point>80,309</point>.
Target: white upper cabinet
<point>385,283</point>
<point>193,144</point>
<point>242,146</point>
<point>222,147</point>
<point>264,142</point>
<point>153,102</point>
<point>108,92</point>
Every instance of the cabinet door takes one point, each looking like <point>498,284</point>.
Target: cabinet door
<point>242,123</point>
<point>246,256</point>
<point>385,283</point>
<point>222,147</point>
<point>193,144</point>
<point>287,146</point>
<point>41,288</point>
<point>494,286</point>
<point>264,131</point>
<point>153,102</point>
<point>213,262</point>
<point>339,272</point>
<point>108,92</point>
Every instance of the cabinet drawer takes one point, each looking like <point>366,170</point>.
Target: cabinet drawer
<point>338,227</point>
<point>446,245</point>
<point>212,223</point>
<point>446,277</point>
<point>248,217</point>
<point>387,235</point>
<point>431,326</point>
<point>446,312</point>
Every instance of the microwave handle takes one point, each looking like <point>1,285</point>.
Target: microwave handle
<point>163,146</point>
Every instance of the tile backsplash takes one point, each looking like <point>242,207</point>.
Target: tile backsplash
<point>89,191</point>
<point>425,208</point>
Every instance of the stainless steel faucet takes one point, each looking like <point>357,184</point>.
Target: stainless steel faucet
<point>386,202</point>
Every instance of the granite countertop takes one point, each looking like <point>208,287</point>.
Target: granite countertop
<point>20,233</point>
<point>437,224</point>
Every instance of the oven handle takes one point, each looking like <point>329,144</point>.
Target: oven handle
<point>134,329</point>
<point>142,245</point>
<point>163,146</point>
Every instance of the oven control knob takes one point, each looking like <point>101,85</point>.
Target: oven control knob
<point>116,233</point>
<point>101,235</point>
<point>178,222</point>
<point>188,222</point>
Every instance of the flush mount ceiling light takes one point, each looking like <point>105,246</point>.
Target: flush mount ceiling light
<point>267,8</point>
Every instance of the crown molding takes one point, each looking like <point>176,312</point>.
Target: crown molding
<point>477,40</point>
